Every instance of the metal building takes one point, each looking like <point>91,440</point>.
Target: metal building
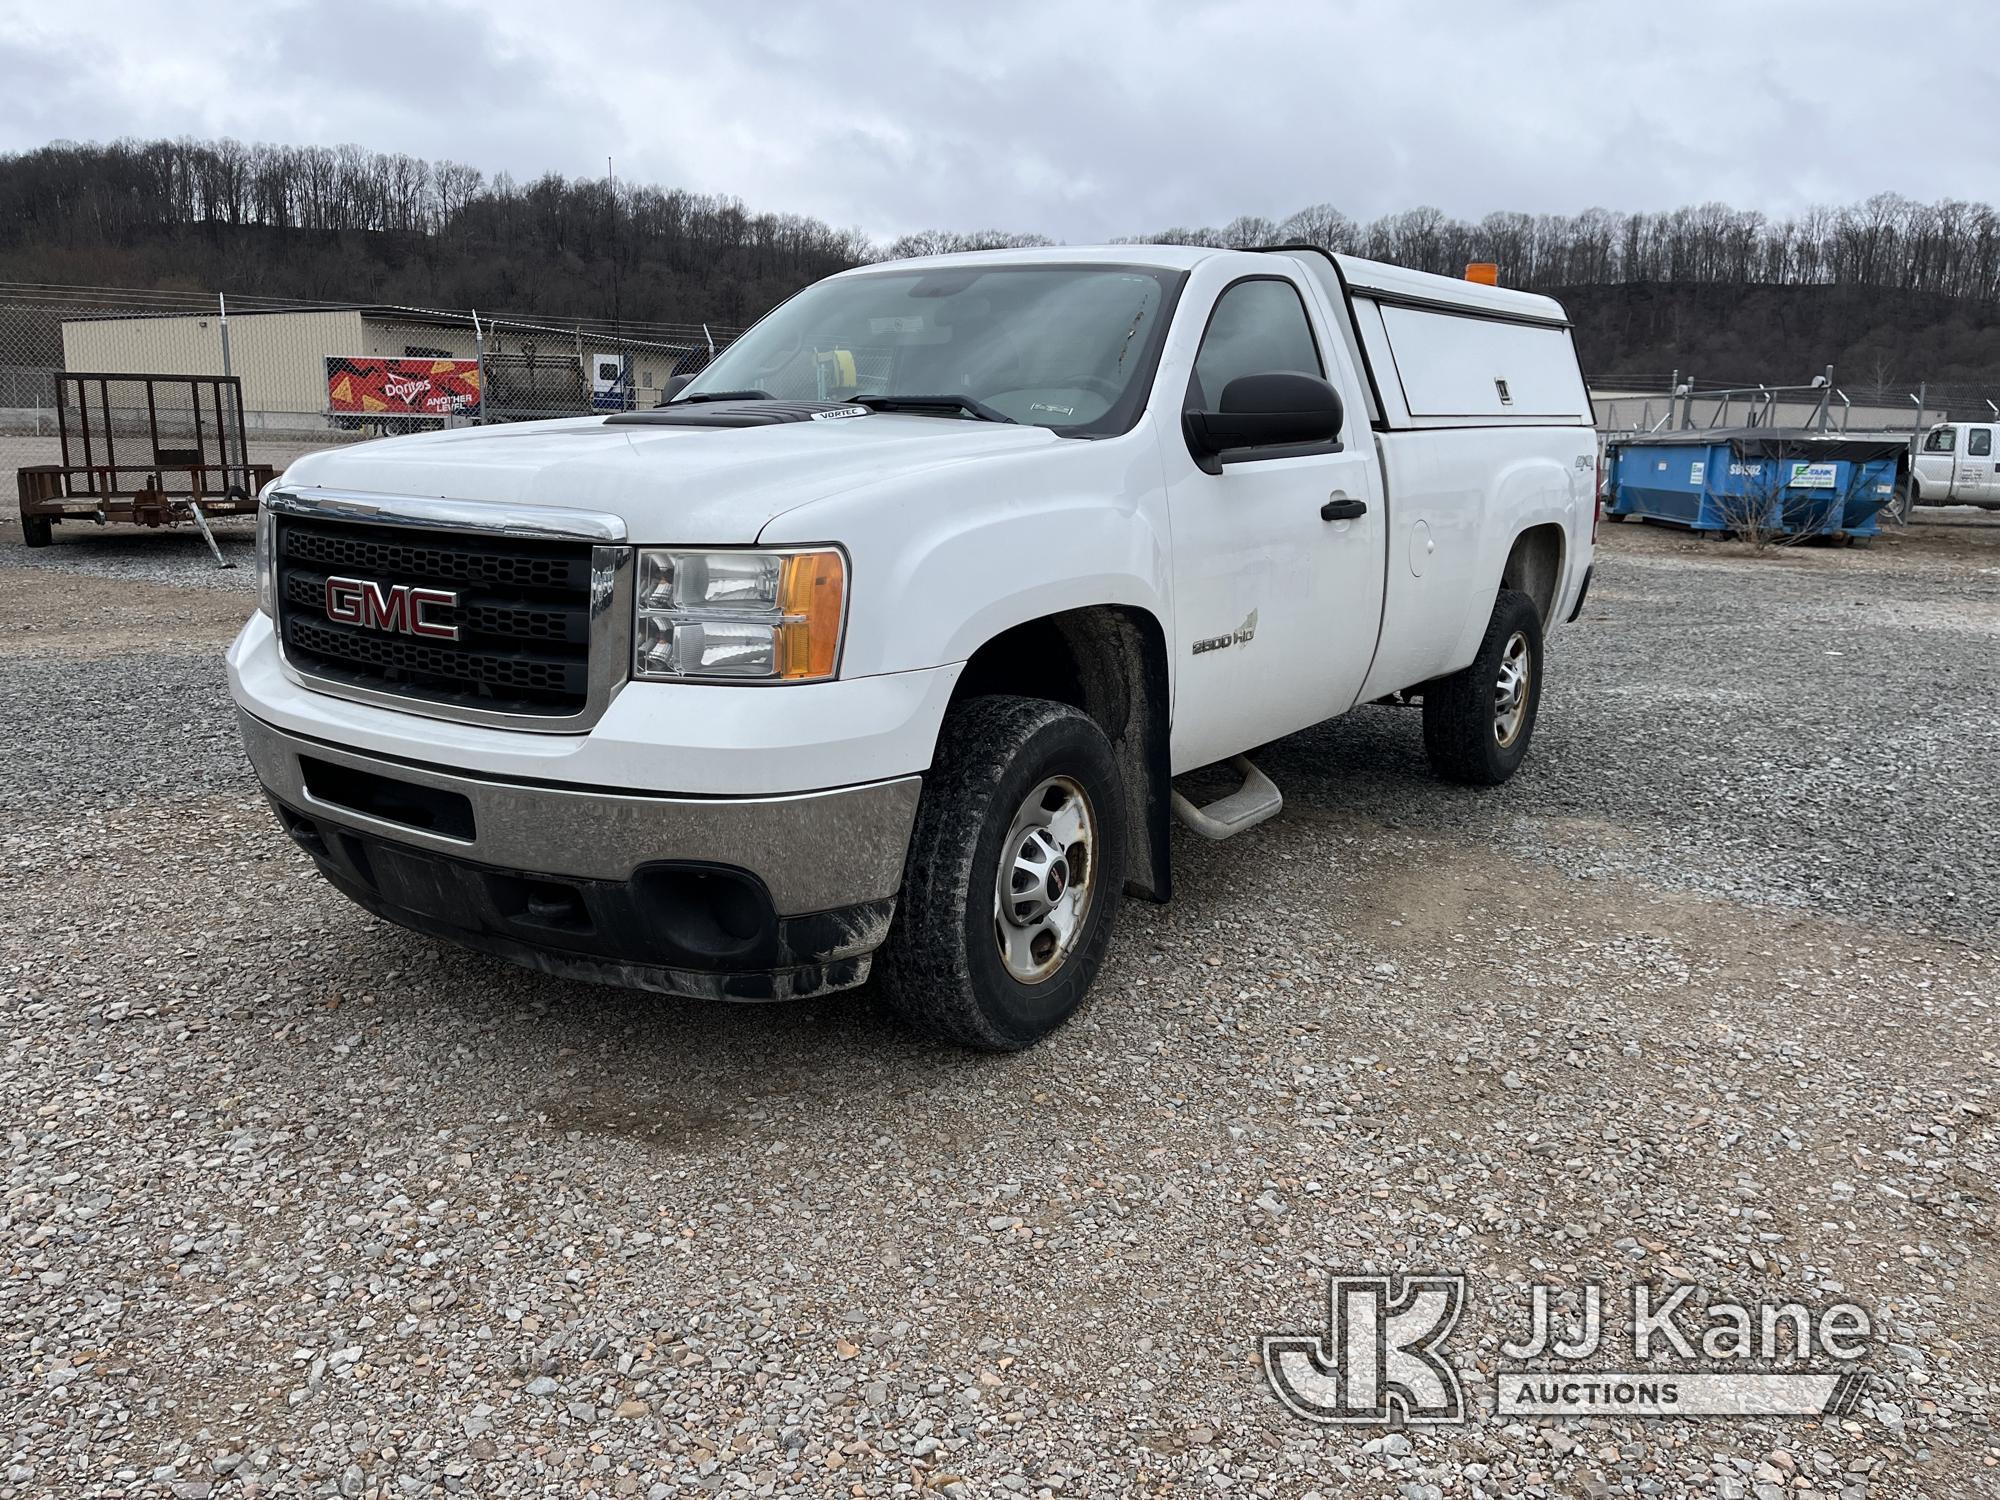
<point>281,356</point>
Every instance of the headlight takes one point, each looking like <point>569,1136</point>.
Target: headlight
<point>267,561</point>
<point>738,616</point>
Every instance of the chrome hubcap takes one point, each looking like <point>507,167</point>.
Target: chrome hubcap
<point>1510,693</point>
<point>1043,888</point>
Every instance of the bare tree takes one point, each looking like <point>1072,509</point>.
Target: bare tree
<point>305,221</point>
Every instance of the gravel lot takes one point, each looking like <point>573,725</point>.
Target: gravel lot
<point>301,1204</point>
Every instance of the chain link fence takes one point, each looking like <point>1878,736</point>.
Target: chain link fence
<point>315,373</point>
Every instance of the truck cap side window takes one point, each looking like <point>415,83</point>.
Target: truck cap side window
<point>1258,326</point>
<point>1944,440</point>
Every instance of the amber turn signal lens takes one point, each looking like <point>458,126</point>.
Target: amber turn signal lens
<point>810,597</point>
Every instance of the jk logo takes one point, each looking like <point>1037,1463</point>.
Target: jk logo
<point>1378,1358</point>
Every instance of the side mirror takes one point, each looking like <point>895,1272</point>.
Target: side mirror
<point>672,386</point>
<point>1280,409</point>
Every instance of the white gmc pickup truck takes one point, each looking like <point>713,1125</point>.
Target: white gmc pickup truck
<point>879,646</point>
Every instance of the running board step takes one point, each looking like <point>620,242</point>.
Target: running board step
<point>1250,804</point>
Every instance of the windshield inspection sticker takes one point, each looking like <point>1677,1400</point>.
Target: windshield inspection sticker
<point>836,413</point>
<point>1061,411</point>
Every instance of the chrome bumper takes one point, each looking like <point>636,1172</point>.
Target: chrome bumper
<point>814,851</point>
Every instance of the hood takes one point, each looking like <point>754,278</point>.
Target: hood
<point>670,483</point>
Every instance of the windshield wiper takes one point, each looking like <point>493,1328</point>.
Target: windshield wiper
<point>942,405</point>
<point>722,396</point>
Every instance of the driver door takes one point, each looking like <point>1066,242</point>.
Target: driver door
<point>1276,607</point>
<point>1980,479</point>
<point>1936,459</point>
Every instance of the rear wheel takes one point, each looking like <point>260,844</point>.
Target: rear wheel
<point>37,531</point>
<point>1015,871</point>
<point>1477,722</point>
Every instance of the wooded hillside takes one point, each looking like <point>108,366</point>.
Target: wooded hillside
<point>1890,291</point>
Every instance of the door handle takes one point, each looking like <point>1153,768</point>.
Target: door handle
<point>1340,508</point>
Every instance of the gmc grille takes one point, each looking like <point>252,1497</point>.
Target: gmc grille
<point>523,616</point>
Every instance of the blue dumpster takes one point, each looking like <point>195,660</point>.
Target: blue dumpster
<point>1793,482</point>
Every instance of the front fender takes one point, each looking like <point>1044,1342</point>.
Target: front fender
<point>937,572</point>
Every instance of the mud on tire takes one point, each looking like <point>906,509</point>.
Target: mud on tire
<point>956,963</point>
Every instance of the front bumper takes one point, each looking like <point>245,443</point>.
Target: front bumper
<point>676,739</point>
<point>749,898</point>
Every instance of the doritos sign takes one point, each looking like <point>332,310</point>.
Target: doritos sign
<point>366,386</point>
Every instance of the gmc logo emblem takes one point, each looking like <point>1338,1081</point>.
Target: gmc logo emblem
<point>397,608</point>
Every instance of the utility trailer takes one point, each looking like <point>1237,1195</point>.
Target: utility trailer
<point>148,450</point>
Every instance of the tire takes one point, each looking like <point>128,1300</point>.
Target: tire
<point>1897,511</point>
<point>942,968</point>
<point>1465,735</point>
<point>37,531</point>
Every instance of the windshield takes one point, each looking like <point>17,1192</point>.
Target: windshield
<point>1068,347</point>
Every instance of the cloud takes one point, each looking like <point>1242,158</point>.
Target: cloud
<point>1076,118</point>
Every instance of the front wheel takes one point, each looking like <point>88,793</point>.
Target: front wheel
<point>37,531</point>
<point>1477,722</point>
<point>1015,871</point>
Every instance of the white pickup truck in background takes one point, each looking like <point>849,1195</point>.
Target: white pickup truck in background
<point>879,647</point>
<point>1955,465</point>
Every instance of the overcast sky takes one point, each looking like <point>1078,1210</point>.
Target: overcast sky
<point>1080,119</point>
